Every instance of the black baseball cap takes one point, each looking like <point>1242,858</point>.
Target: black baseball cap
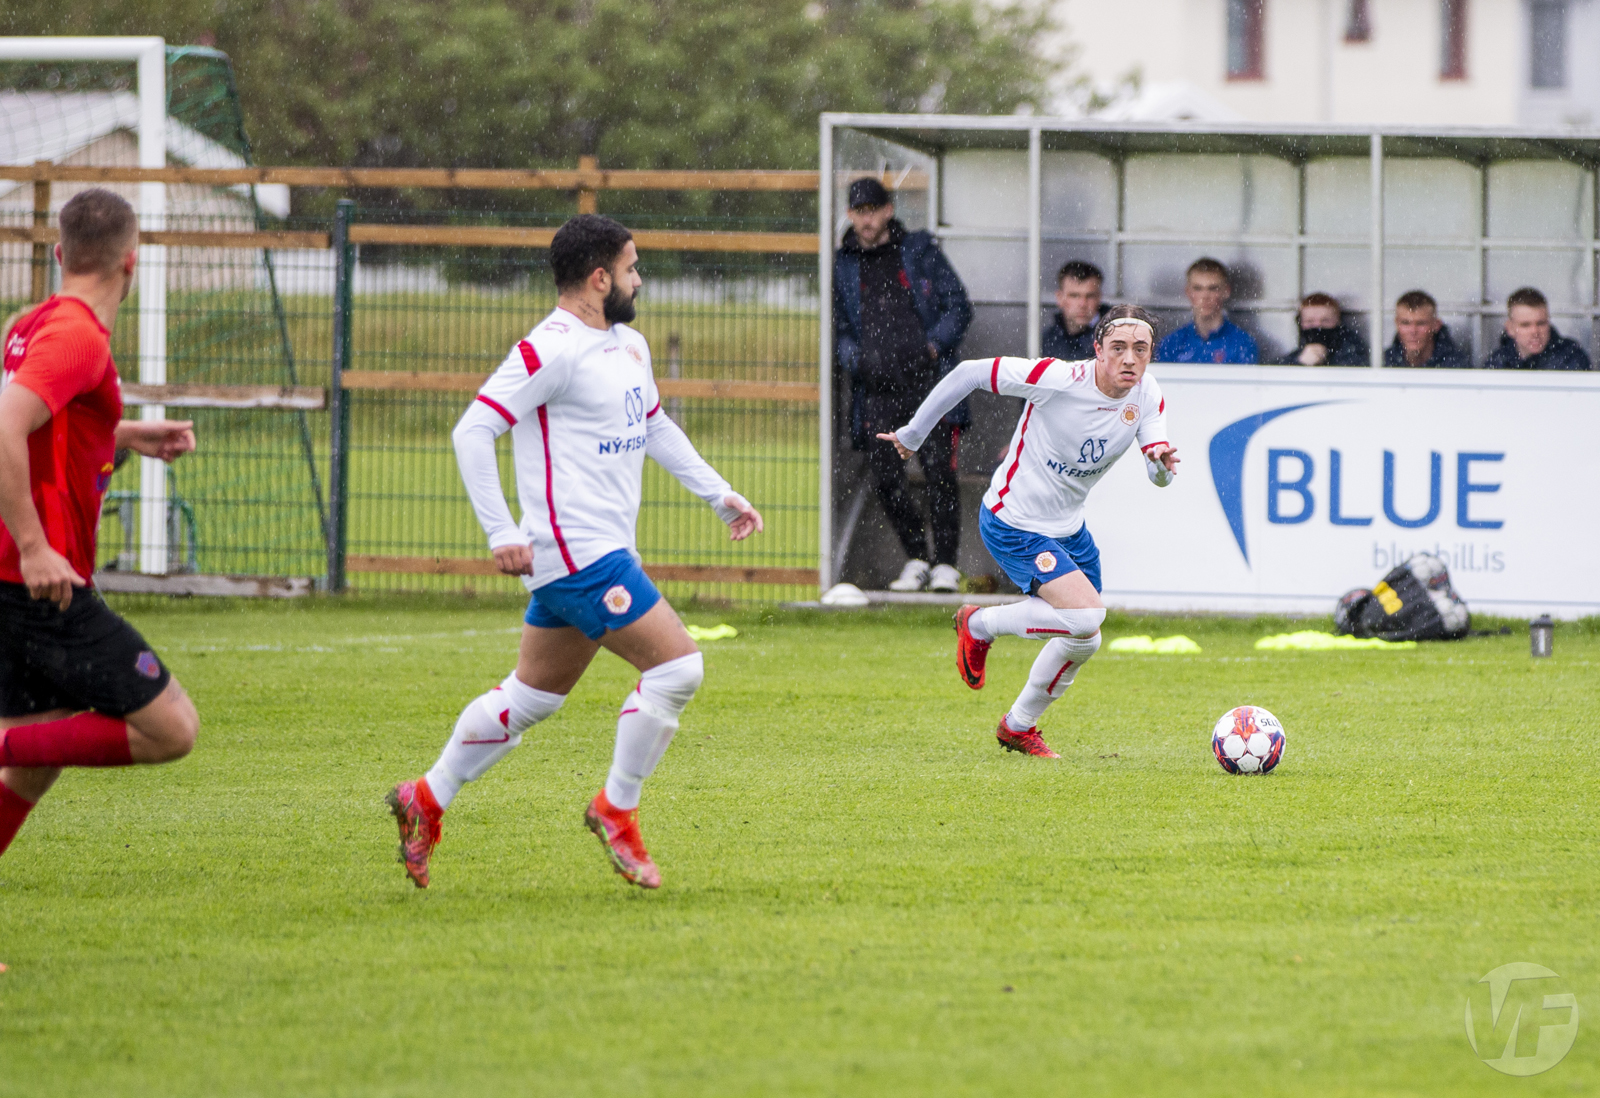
<point>868,192</point>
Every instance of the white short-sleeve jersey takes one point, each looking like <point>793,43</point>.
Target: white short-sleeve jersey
<point>576,399</point>
<point>1069,434</point>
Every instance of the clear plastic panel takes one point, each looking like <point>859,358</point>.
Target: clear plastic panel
<point>1431,199</point>
<point>1211,195</point>
<point>1449,274</point>
<point>1541,200</point>
<point>1154,273</point>
<point>1078,192</point>
<point>1338,197</point>
<point>985,189</point>
<point>991,270</point>
<point>1346,273</point>
<point>856,153</point>
<point>1565,277</point>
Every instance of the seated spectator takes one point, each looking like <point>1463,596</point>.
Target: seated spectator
<point>1070,336</point>
<point>1420,338</point>
<point>1325,339</point>
<point>1211,337</point>
<point>1530,341</point>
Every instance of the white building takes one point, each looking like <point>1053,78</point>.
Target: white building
<point>1420,63</point>
<point>99,129</point>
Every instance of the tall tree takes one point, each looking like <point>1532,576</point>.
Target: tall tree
<point>639,83</point>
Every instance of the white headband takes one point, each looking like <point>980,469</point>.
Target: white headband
<point>1130,320</point>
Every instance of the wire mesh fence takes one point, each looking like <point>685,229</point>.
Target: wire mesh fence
<point>424,333</point>
<point>428,319</point>
<point>447,318</point>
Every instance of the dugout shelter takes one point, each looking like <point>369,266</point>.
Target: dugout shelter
<point>1365,214</point>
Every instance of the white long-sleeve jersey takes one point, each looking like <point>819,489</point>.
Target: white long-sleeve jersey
<point>583,412</point>
<point>1068,435</point>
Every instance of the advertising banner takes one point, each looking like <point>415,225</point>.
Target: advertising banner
<point>1298,484</point>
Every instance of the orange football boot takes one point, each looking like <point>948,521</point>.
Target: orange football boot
<point>618,832</point>
<point>420,819</point>
<point>1029,742</point>
<point>971,653</point>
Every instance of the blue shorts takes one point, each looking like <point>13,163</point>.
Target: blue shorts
<point>609,594</point>
<point>1033,560</point>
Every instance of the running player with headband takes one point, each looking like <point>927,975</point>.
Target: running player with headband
<point>1080,417</point>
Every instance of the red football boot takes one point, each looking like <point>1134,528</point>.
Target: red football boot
<point>971,653</point>
<point>1029,742</point>
<point>618,832</point>
<point>420,819</point>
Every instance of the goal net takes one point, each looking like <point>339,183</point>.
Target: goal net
<point>203,314</point>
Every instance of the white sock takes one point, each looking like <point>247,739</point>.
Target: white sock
<point>1058,664</point>
<point>488,728</point>
<point>646,725</point>
<point>1035,618</point>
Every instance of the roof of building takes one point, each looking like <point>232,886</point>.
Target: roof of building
<point>54,125</point>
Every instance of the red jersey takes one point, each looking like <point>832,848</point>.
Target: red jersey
<point>62,353</point>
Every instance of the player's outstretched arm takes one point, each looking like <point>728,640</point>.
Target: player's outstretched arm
<point>970,375</point>
<point>166,439</point>
<point>46,572</point>
<point>474,439</point>
<point>672,450</point>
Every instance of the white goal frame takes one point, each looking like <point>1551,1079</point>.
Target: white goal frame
<point>150,55</point>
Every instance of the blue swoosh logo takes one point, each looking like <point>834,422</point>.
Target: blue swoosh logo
<point>1227,464</point>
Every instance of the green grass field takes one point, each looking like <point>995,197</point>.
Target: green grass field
<point>863,896</point>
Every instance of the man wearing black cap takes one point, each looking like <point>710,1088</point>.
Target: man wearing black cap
<point>899,312</point>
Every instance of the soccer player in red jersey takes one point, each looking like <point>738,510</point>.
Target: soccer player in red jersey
<point>78,685</point>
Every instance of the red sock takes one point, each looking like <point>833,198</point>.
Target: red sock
<point>13,810</point>
<point>88,739</point>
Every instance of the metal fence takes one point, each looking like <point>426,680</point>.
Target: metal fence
<point>325,377</point>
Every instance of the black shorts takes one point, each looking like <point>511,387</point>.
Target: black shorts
<point>86,658</point>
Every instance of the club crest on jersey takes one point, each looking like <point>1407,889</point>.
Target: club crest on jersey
<point>1130,414</point>
<point>1045,561</point>
<point>618,599</point>
<point>147,665</point>
<point>638,356</point>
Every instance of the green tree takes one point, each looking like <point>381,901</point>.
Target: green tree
<point>638,83</point>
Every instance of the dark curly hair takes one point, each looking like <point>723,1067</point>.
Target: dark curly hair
<point>1124,312</point>
<point>586,242</point>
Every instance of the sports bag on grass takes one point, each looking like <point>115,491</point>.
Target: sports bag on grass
<point>1413,602</point>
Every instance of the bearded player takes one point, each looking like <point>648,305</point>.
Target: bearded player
<point>580,402</point>
<point>78,685</point>
<point>1079,419</point>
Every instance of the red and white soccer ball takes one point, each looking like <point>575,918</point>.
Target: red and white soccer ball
<point>1247,740</point>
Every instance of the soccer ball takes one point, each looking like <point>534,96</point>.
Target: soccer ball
<point>1247,740</point>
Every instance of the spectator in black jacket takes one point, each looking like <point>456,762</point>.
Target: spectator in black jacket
<point>1530,341</point>
<point>1070,336</point>
<point>899,312</point>
<point>1420,337</point>
<point>1325,339</point>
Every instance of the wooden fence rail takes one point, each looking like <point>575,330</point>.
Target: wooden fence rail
<point>587,178</point>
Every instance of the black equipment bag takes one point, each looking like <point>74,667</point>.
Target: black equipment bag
<point>1413,602</point>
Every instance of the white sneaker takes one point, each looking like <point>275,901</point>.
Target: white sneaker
<point>913,577</point>
<point>944,577</point>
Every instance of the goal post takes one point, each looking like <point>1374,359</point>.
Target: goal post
<point>149,54</point>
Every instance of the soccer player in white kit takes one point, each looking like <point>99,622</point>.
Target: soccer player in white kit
<point>580,402</point>
<point>1079,419</point>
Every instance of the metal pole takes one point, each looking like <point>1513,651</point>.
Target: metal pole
<point>338,406</point>
<point>825,576</point>
<point>1375,351</point>
<point>1035,236</point>
<point>152,76</point>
